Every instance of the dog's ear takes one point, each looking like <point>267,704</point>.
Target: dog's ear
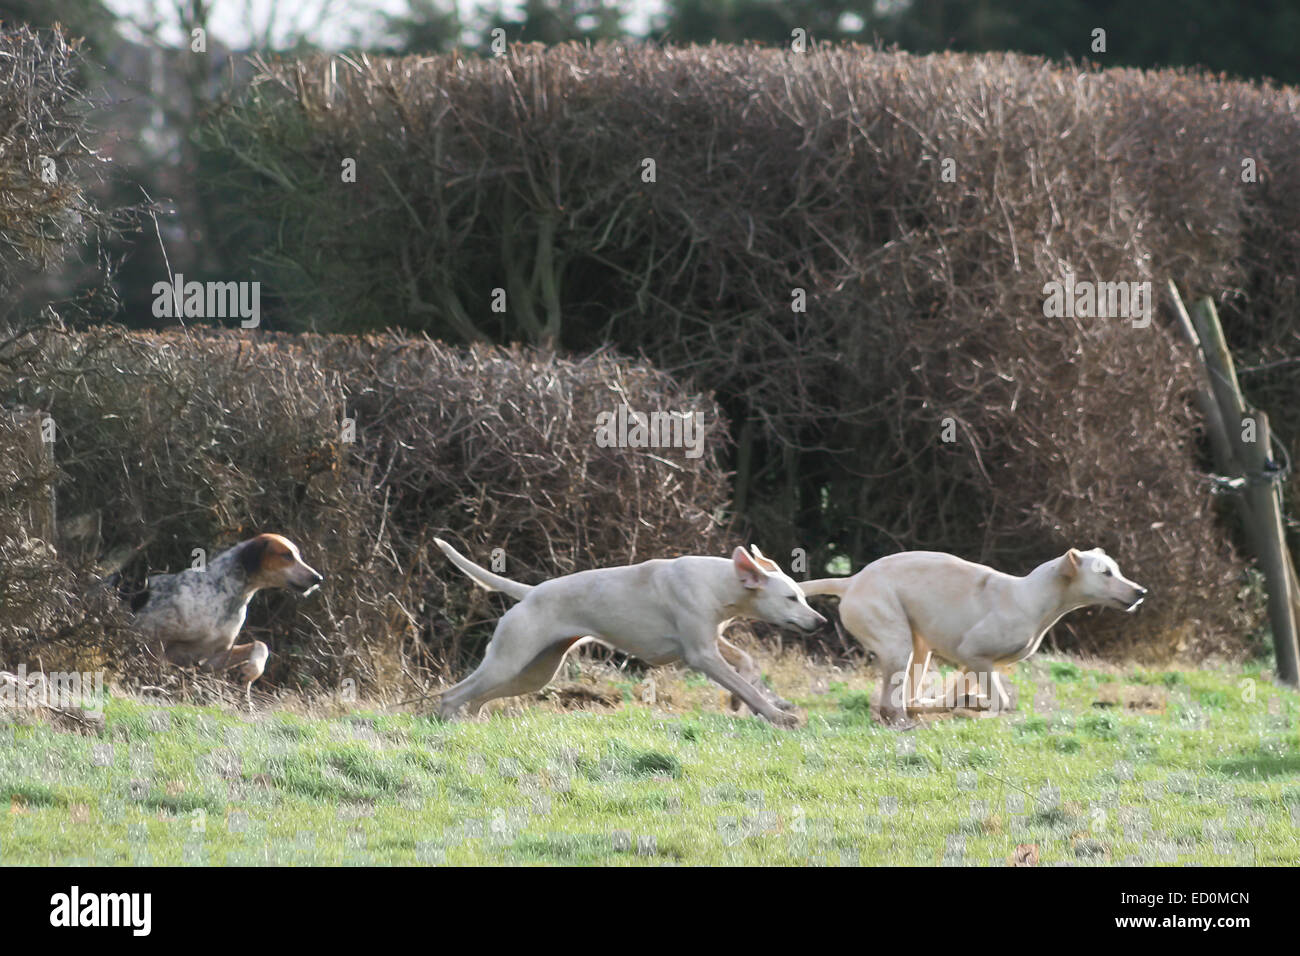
<point>251,554</point>
<point>750,574</point>
<point>764,562</point>
<point>1070,563</point>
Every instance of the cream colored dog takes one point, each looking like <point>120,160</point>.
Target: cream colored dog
<point>659,611</point>
<point>908,606</point>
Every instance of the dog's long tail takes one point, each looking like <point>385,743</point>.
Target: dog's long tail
<point>836,586</point>
<point>482,576</point>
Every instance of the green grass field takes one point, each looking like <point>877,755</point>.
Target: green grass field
<point>1209,774</point>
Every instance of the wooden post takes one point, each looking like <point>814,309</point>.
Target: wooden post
<point>38,455</point>
<point>1220,444</point>
<point>1218,363</point>
<point>1266,505</point>
<point>1250,442</point>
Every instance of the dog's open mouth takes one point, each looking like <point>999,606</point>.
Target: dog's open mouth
<point>1134,606</point>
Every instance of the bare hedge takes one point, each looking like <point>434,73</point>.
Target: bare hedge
<point>361,450</point>
<point>38,594</point>
<point>823,172</point>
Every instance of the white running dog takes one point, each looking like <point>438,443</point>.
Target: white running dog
<point>660,611</point>
<point>906,607</point>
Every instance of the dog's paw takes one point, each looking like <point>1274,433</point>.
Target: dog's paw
<point>894,719</point>
<point>786,719</point>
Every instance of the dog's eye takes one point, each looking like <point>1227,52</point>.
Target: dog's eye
<point>1109,573</point>
<point>791,597</point>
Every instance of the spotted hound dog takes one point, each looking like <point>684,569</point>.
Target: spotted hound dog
<point>194,616</point>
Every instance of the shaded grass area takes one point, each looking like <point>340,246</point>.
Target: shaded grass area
<point>1206,773</point>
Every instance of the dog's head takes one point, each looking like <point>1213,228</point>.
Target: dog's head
<point>273,561</point>
<point>771,595</point>
<point>1093,577</point>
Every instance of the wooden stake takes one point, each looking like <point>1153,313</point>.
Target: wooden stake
<point>1220,445</point>
<point>1261,497</point>
<point>40,456</point>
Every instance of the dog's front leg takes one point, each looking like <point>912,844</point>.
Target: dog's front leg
<point>703,654</point>
<point>748,669</point>
<point>983,687</point>
<point>249,658</point>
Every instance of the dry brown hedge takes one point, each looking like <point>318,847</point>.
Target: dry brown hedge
<point>778,171</point>
<point>175,441</point>
<point>37,592</point>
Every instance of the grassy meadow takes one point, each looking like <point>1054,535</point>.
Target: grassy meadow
<point>1097,766</point>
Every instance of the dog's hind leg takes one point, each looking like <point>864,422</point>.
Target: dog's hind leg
<point>894,662</point>
<point>502,675</point>
<point>888,635</point>
<point>541,670</point>
<point>506,656</point>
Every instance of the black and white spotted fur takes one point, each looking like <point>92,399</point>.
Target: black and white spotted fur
<point>195,616</point>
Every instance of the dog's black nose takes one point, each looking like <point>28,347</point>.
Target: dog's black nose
<point>318,578</point>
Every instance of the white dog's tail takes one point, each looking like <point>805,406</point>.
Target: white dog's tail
<point>836,586</point>
<point>482,576</point>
